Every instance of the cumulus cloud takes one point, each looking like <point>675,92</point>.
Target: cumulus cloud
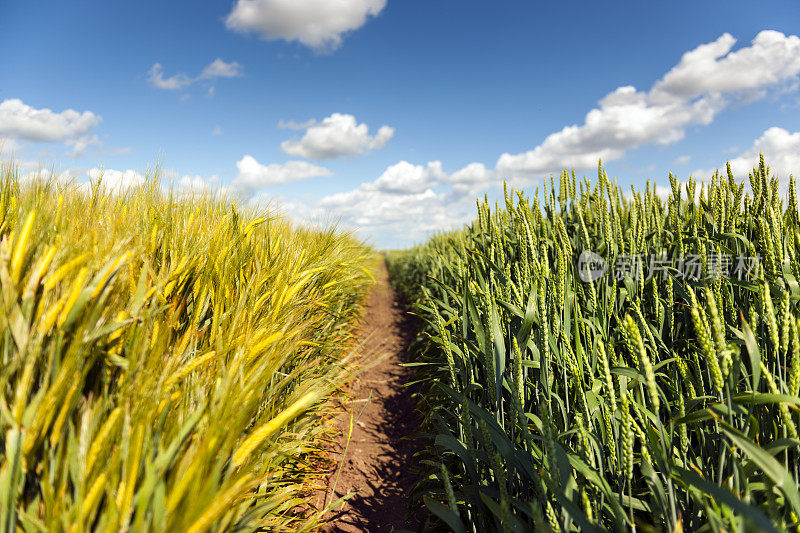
<point>706,81</point>
<point>195,183</point>
<point>337,135</point>
<point>30,171</point>
<point>220,69</point>
<point>472,173</point>
<point>406,178</point>
<point>781,150</point>
<point>318,24</point>
<point>472,181</point>
<point>402,205</point>
<point>21,121</point>
<point>772,58</point>
<point>188,184</point>
<point>253,175</point>
<point>372,211</point>
<point>214,70</point>
<point>120,181</point>
<point>116,180</point>
<point>408,201</point>
<point>402,193</point>
<point>625,119</point>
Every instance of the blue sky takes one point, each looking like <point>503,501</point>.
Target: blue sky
<point>413,103</point>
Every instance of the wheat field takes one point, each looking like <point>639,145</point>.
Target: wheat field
<point>559,401</point>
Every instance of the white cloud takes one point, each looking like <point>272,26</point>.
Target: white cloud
<point>472,181</point>
<point>21,121</point>
<point>409,201</point>
<point>473,177</point>
<point>81,145</point>
<point>337,135</point>
<point>216,131</point>
<point>692,92</point>
<point>371,211</point>
<point>682,160</point>
<point>119,181</point>
<point>625,119</point>
<point>401,205</point>
<point>364,207</point>
<point>319,24</point>
<point>297,126</point>
<point>220,69</point>
<point>30,171</point>
<point>403,193</point>
<point>781,150</point>
<point>195,183</point>
<point>8,146</point>
<point>187,184</point>
<point>472,173</point>
<point>116,180</point>
<point>772,58</point>
<point>253,175</point>
<point>406,178</point>
<point>214,70</point>
<point>173,83</point>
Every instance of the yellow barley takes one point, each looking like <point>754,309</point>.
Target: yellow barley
<point>109,272</point>
<point>54,278</point>
<point>180,488</point>
<point>50,317</point>
<point>77,287</point>
<point>222,502</point>
<point>19,249</point>
<point>24,387</point>
<point>127,486</point>
<point>258,436</point>
<point>121,316</point>
<point>44,264</point>
<point>66,408</point>
<point>262,345</point>
<point>93,497</point>
<point>99,442</point>
<point>186,369</point>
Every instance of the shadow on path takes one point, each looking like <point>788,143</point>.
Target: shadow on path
<point>379,462</point>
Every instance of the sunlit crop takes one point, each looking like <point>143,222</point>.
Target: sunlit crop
<point>164,358</point>
<point>664,402</point>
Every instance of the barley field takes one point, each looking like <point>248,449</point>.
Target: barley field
<point>651,388</point>
<point>165,359</point>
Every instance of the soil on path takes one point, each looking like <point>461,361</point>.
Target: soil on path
<point>378,461</point>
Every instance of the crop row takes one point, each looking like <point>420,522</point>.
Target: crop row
<point>617,389</point>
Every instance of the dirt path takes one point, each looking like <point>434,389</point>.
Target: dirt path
<point>378,463</point>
